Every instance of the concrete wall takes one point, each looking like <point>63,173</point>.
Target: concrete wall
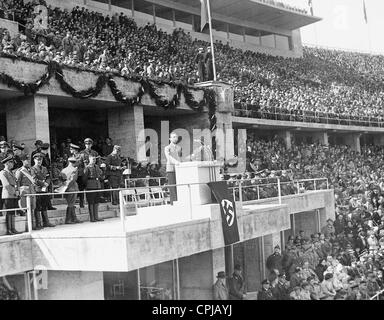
<point>12,26</point>
<point>137,249</point>
<point>196,277</point>
<point>31,72</point>
<point>15,255</point>
<point>80,285</point>
<point>28,120</point>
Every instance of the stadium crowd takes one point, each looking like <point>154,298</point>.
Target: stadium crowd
<point>323,86</point>
<point>346,259</point>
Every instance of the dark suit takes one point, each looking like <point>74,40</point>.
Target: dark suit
<point>114,175</point>
<point>236,287</point>
<point>209,65</point>
<point>199,59</point>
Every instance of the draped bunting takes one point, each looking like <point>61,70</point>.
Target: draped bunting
<point>146,86</point>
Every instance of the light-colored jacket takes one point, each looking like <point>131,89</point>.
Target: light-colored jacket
<point>220,291</point>
<point>9,182</point>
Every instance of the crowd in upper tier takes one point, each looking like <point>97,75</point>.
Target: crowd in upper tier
<point>321,84</point>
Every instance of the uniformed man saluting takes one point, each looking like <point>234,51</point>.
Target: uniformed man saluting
<point>173,153</point>
<point>10,193</point>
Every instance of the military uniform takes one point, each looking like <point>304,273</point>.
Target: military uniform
<point>26,186</point>
<point>70,175</point>
<point>114,174</point>
<point>3,155</point>
<point>84,160</point>
<point>9,195</point>
<point>92,178</point>
<point>42,181</point>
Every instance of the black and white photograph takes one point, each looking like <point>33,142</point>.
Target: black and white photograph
<point>192,150</point>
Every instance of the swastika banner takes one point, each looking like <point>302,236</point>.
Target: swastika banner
<point>228,211</point>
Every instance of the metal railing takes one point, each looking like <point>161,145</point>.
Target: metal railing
<point>144,182</point>
<point>377,295</point>
<point>305,116</point>
<point>243,190</point>
<point>251,190</point>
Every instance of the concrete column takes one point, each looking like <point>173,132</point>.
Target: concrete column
<point>126,128</point>
<point>28,120</point>
<point>287,136</point>
<point>321,137</point>
<point>353,140</point>
<point>218,261</point>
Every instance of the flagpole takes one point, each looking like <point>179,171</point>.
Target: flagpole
<point>211,37</point>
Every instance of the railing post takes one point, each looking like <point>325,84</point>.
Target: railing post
<point>327,184</point>
<point>279,189</point>
<point>258,192</point>
<point>240,193</point>
<point>298,187</point>
<point>122,210</point>
<point>314,184</point>
<point>29,214</point>
<point>190,201</point>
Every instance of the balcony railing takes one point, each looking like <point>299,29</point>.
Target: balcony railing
<point>305,116</point>
<point>243,190</point>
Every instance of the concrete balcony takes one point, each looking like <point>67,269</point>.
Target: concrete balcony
<point>155,235</point>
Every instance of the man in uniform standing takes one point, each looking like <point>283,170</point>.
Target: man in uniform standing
<point>10,193</point>
<point>69,175</point>
<point>4,153</point>
<point>42,180</point>
<point>92,180</point>
<point>114,172</point>
<point>25,182</point>
<point>173,153</point>
<point>80,157</point>
<point>88,142</point>
<point>47,163</point>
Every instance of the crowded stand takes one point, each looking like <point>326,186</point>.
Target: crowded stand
<point>325,86</point>
<point>345,260</point>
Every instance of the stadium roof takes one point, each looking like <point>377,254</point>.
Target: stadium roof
<point>250,14</point>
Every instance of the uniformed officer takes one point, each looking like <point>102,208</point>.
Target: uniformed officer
<point>173,153</point>
<point>114,172</point>
<point>80,158</point>
<point>42,180</point>
<point>92,177</point>
<point>47,163</point>
<point>10,193</point>
<point>17,149</point>
<point>88,142</point>
<point>38,145</point>
<point>26,182</point>
<point>69,175</point>
<point>4,153</point>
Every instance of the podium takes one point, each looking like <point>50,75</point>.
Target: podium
<point>196,172</point>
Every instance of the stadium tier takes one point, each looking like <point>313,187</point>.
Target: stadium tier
<point>129,170</point>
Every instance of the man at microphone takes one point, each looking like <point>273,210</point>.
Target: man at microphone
<point>173,153</point>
